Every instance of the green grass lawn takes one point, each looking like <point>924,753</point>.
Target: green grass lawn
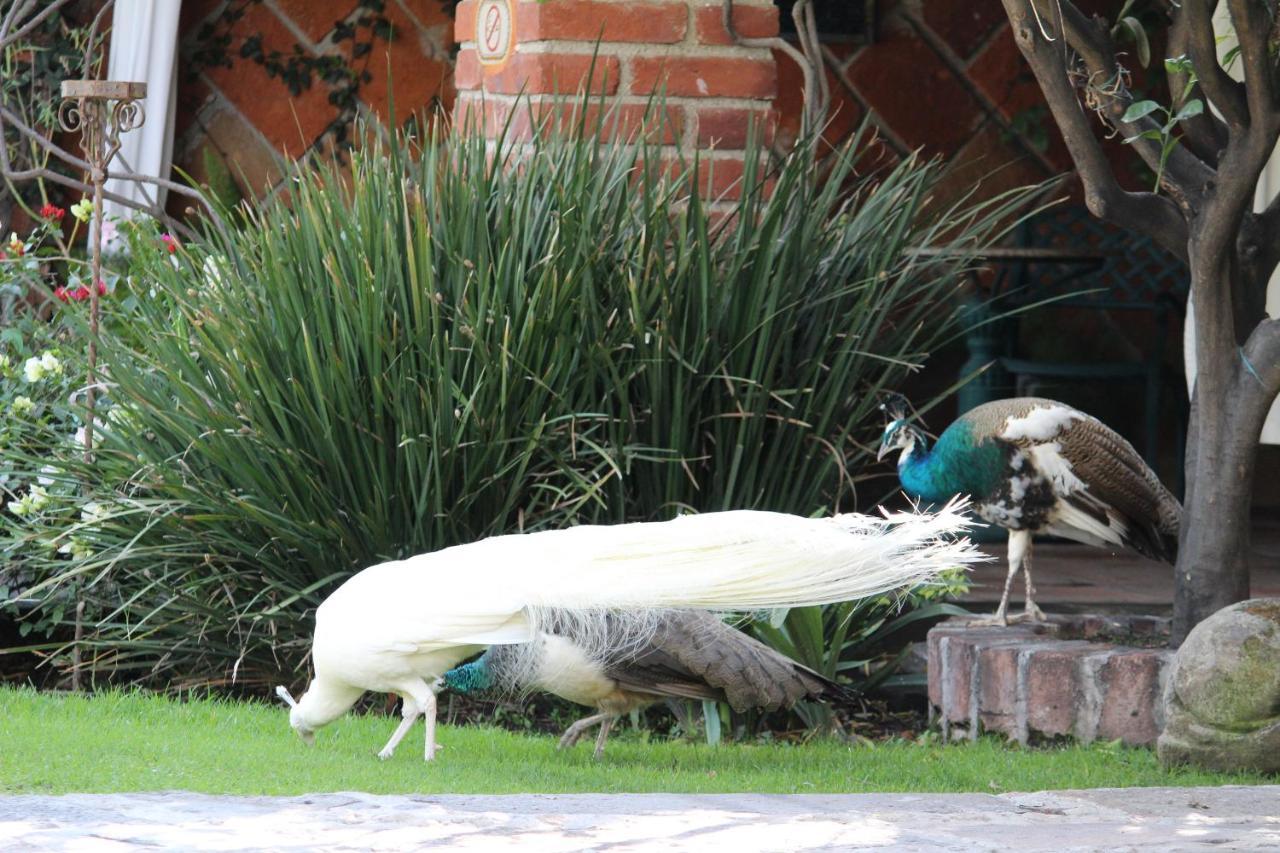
<point>116,742</point>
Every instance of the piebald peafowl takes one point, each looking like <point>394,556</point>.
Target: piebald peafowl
<point>690,655</point>
<point>1032,465</point>
<point>396,627</point>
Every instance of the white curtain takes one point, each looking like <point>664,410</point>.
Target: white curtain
<point>1268,188</point>
<point>144,48</point>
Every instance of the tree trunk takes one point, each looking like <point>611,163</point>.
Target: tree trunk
<point>1228,408</point>
<point>1213,555</point>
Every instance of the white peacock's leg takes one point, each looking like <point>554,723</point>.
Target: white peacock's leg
<point>429,712</point>
<point>410,712</point>
<point>1031,612</point>
<point>575,731</point>
<point>605,726</point>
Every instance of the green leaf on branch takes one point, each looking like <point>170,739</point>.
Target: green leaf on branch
<point>1138,110</point>
<point>1139,36</point>
<point>1190,109</point>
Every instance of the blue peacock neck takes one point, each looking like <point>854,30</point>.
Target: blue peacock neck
<point>959,464</point>
<point>474,677</point>
<point>917,471</point>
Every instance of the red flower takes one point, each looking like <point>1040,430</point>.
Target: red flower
<point>61,293</point>
<point>102,287</point>
<point>53,213</point>
<point>170,242</point>
<point>80,294</point>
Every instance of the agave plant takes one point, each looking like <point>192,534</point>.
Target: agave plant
<point>439,345</point>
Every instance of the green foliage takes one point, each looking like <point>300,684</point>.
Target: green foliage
<point>149,743</point>
<point>43,411</point>
<point>1165,133</point>
<point>438,347</point>
<point>858,642</point>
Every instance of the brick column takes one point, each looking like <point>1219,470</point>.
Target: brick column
<point>714,89</point>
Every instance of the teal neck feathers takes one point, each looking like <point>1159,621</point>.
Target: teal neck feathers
<point>474,677</point>
<point>958,464</point>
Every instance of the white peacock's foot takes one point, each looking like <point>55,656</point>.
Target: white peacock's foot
<point>386,753</point>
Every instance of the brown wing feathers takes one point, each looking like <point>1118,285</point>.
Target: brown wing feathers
<point>719,662</point>
<point>1118,478</point>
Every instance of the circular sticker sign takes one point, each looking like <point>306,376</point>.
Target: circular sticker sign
<point>493,30</point>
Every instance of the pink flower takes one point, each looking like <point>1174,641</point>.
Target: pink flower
<point>170,242</point>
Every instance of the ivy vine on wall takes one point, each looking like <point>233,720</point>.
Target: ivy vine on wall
<point>298,68</point>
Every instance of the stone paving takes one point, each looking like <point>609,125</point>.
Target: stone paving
<point>1135,819</point>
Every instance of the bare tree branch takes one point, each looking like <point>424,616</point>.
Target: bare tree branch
<point>1224,93</point>
<point>1206,134</point>
<point>811,65</point>
<point>1253,29</point>
<point>1261,354</point>
<point>1151,214</point>
<point>70,159</point>
<point>1182,173</point>
<point>19,9</point>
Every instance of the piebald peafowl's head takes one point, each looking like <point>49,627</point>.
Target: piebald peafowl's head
<point>899,435</point>
<point>899,432</point>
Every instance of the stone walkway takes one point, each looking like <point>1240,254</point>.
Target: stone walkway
<point>1136,819</point>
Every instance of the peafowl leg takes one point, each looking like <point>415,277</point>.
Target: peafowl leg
<point>1019,544</point>
<point>429,712</point>
<point>419,701</point>
<point>410,712</point>
<point>1032,612</point>
<point>574,732</point>
<point>605,726</point>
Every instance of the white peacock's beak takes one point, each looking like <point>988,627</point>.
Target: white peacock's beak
<point>884,451</point>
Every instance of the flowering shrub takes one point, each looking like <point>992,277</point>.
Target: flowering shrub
<point>43,347</point>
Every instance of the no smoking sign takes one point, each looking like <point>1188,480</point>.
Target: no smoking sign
<point>493,30</point>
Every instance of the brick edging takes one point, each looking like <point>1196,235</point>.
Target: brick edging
<point>1037,682</point>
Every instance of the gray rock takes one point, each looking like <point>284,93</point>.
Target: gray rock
<point>1222,698</point>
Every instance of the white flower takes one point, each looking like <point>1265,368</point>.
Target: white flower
<point>93,511</point>
<point>43,478</point>
<point>77,548</point>
<point>78,439</point>
<point>215,267</point>
<point>33,370</point>
<point>22,406</point>
<point>30,503</point>
<point>82,209</point>
<point>51,363</point>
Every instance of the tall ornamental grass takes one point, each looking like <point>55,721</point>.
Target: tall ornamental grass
<point>434,346</point>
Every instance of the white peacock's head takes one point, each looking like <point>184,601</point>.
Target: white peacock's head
<point>297,717</point>
<point>305,732</point>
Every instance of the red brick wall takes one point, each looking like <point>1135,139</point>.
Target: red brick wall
<point>250,120</point>
<point>712,90</point>
<point>942,76</point>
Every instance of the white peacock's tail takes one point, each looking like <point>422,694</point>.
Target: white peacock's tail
<point>729,561</point>
<point>742,560</point>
